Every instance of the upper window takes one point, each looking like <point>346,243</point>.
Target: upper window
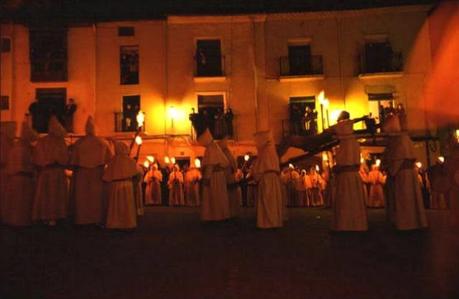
<point>379,58</point>
<point>4,102</point>
<point>300,62</point>
<point>48,55</point>
<point>5,45</point>
<point>208,58</point>
<point>129,65</point>
<point>126,31</point>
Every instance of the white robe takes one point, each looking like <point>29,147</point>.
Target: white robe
<point>269,195</point>
<point>18,199</point>
<point>51,157</point>
<point>405,203</point>
<point>215,203</point>
<point>349,204</point>
<point>153,179</point>
<point>121,205</point>
<point>192,178</point>
<point>89,156</point>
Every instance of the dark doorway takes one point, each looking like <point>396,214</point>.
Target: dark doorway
<point>131,106</point>
<point>303,115</point>
<point>51,101</point>
<point>211,108</point>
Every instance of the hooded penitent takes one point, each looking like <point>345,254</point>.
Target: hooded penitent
<point>51,149</point>
<point>51,156</point>
<point>215,204</point>
<point>17,203</point>
<point>121,166</point>
<point>90,151</point>
<point>266,171</point>
<point>348,152</point>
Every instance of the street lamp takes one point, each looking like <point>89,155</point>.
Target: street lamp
<point>173,115</point>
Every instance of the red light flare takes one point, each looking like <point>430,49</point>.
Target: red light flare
<point>442,84</point>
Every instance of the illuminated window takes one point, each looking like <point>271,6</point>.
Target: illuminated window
<point>127,120</point>
<point>380,105</point>
<point>212,110</point>
<point>303,115</point>
<point>129,65</point>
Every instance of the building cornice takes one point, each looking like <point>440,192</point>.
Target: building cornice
<point>218,19</point>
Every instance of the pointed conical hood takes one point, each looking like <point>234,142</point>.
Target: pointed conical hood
<point>205,138</point>
<point>90,126</point>
<point>28,134</point>
<point>55,128</point>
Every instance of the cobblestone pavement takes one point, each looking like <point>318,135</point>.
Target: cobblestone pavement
<point>173,255</point>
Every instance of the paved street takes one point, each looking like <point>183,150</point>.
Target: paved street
<point>173,255</point>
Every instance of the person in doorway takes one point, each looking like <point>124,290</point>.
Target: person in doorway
<point>376,180</point>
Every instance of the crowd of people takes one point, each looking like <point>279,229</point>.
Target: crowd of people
<point>95,181</point>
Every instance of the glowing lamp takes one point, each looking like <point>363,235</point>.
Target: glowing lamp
<point>321,96</point>
<point>290,165</point>
<point>173,114</point>
<point>325,102</point>
<point>197,163</point>
<point>146,164</point>
<point>324,157</point>
<point>246,158</point>
<point>173,160</point>
<point>441,159</point>
<point>317,168</point>
<point>167,160</point>
<point>419,165</point>
<point>151,159</point>
<point>362,160</point>
<point>378,162</point>
<point>457,135</point>
<point>138,140</point>
<point>140,118</point>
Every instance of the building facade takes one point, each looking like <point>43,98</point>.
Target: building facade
<point>263,67</point>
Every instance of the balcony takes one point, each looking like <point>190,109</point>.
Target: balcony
<point>310,69</point>
<point>125,123</point>
<point>389,65</point>
<point>211,69</point>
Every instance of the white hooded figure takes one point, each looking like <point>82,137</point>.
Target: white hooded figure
<point>89,156</point>
<point>191,183</point>
<point>153,179</point>
<point>119,174</point>
<point>17,208</point>
<point>175,185</point>
<point>215,203</point>
<point>349,206</point>
<point>405,205</point>
<point>7,134</point>
<point>232,180</point>
<point>266,171</point>
<point>51,157</point>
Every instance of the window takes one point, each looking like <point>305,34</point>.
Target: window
<point>127,120</point>
<point>299,58</point>
<point>208,58</point>
<point>379,57</point>
<point>5,46</point>
<point>4,102</point>
<point>126,31</point>
<point>48,55</point>
<point>50,101</point>
<point>303,115</point>
<point>380,104</point>
<point>129,65</point>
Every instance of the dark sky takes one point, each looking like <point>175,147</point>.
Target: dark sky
<point>90,10</point>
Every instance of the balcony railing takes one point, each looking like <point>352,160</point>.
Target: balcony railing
<point>125,123</point>
<point>210,67</point>
<point>312,66</point>
<point>389,63</point>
